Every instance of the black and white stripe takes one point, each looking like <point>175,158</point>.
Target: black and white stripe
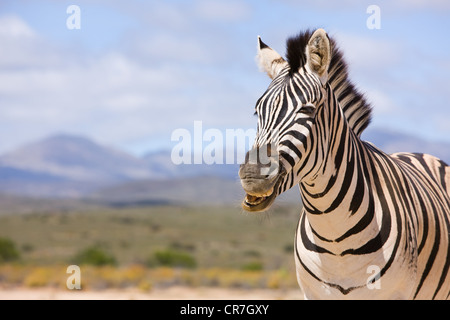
<point>367,217</point>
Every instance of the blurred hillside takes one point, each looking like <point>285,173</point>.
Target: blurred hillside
<point>66,166</point>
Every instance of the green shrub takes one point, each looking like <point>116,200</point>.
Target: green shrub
<point>94,256</point>
<point>253,266</point>
<point>172,258</point>
<point>289,248</point>
<point>8,251</point>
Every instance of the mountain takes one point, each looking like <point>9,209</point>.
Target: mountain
<point>193,190</point>
<point>199,190</point>
<point>24,182</point>
<point>66,166</point>
<point>75,167</point>
<point>391,141</point>
<point>161,162</point>
<point>77,159</point>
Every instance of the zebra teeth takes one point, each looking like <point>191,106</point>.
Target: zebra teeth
<point>267,194</point>
<point>254,200</point>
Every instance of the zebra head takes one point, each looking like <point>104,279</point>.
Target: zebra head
<point>286,117</point>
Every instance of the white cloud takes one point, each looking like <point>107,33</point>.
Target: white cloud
<point>177,64</point>
<point>227,11</point>
<point>13,27</point>
<point>363,52</point>
<point>165,46</point>
<point>17,40</point>
<point>111,97</point>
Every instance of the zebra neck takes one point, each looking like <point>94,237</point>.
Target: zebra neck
<point>334,193</point>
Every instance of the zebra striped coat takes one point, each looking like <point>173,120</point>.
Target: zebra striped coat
<point>373,225</point>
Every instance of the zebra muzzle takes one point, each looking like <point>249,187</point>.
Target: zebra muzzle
<point>259,198</point>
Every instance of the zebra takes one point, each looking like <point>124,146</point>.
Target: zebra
<point>372,225</point>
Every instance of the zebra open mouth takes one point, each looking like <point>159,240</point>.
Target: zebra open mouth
<point>261,202</point>
<point>253,200</point>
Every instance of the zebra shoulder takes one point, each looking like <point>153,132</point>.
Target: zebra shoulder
<point>432,166</point>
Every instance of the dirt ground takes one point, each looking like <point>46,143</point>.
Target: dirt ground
<point>172,293</point>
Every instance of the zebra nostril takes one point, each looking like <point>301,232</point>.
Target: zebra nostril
<point>269,150</point>
<point>259,162</point>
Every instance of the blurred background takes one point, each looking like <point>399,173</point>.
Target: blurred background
<point>89,100</point>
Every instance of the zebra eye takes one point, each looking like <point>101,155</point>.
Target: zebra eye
<point>308,110</point>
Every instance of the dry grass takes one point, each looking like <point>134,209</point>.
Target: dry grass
<point>143,278</point>
<point>231,250</point>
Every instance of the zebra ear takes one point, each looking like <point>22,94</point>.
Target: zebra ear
<point>318,53</point>
<point>269,60</point>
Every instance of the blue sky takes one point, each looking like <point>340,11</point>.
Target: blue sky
<point>138,70</point>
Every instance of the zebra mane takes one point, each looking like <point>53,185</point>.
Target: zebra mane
<point>356,109</point>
